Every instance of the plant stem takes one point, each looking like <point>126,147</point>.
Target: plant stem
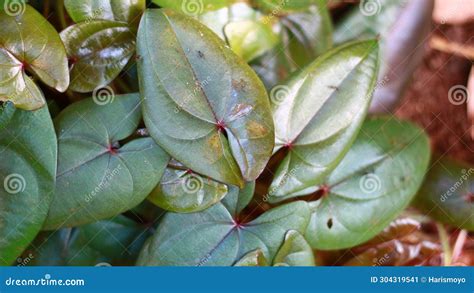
<point>444,239</point>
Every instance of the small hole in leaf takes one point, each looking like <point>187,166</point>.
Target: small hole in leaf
<point>329,223</point>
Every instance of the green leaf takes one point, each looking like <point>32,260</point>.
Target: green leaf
<point>98,51</point>
<point>28,42</point>
<point>447,194</point>
<point>243,28</point>
<point>304,36</point>
<point>128,11</point>
<point>202,104</point>
<point>402,27</point>
<point>295,251</point>
<point>28,150</point>
<point>183,191</point>
<point>374,182</point>
<point>192,7</point>
<point>98,178</point>
<point>218,236</point>
<point>115,240</point>
<point>254,258</point>
<point>278,7</point>
<point>250,39</point>
<point>318,113</point>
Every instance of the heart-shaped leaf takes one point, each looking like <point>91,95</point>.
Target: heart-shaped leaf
<point>29,42</point>
<point>318,114</point>
<point>375,181</point>
<point>218,236</point>
<point>116,240</point>
<point>295,251</point>
<point>447,194</point>
<point>98,51</point>
<point>28,150</point>
<point>193,7</point>
<point>402,27</point>
<point>183,191</point>
<point>202,104</point>
<point>128,11</point>
<point>97,178</point>
<point>303,36</point>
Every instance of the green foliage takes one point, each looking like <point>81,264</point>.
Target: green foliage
<point>28,42</point>
<point>219,235</point>
<point>318,113</point>
<point>448,193</point>
<point>375,181</point>
<point>98,177</point>
<point>28,153</point>
<point>167,176</point>
<point>195,91</point>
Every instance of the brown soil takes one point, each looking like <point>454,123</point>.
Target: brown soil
<point>426,101</point>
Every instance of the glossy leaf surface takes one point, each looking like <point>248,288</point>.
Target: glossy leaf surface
<point>202,103</point>
<point>28,42</point>
<point>218,237</point>
<point>375,181</point>
<point>183,191</point>
<point>128,11</point>
<point>318,113</point>
<point>98,51</point>
<point>97,177</point>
